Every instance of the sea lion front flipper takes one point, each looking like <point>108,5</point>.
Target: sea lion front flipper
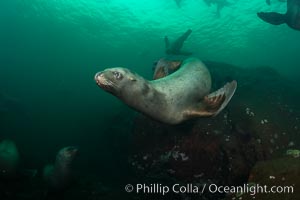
<point>272,17</point>
<point>163,67</point>
<point>174,65</point>
<point>160,72</point>
<point>179,42</point>
<point>213,103</point>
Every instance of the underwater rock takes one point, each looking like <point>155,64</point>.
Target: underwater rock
<point>282,172</point>
<point>224,149</point>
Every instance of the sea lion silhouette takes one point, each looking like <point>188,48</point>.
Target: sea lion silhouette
<point>291,17</point>
<point>58,176</point>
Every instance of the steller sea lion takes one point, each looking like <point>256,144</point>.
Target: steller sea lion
<point>10,162</point>
<point>291,17</point>
<point>59,176</point>
<point>173,99</point>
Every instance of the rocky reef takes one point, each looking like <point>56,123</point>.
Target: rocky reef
<point>280,176</point>
<point>259,124</point>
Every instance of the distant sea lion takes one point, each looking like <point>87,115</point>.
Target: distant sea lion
<point>178,3</point>
<point>220,5</point>
<point>9,159</point>
<point>173,99</point>
<point>59,175</point>
<point>291,17</point>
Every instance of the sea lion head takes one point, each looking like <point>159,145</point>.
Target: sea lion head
<point>117,81</point>
<point>67,154</point>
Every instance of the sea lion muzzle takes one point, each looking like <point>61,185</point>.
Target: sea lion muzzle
<point>98,77</point>
<point>103,80</point>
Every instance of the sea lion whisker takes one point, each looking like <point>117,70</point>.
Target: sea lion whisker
<point>110,83</point>
<point>113,84</point>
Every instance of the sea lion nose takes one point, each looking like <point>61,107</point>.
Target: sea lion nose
<point>98,76</point>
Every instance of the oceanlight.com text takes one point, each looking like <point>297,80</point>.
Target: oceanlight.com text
<point>251,189</point>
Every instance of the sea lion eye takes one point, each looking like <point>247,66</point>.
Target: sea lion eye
<point>118,75</point>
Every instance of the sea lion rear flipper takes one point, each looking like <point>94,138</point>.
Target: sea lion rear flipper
<point>220,98</point>
<point>272,17</point>
<point>215,102</point>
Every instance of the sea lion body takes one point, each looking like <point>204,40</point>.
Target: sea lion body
<point>173,99</point>
<point>182,89</point>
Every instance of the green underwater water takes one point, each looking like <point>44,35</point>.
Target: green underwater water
<point>51,49</point>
